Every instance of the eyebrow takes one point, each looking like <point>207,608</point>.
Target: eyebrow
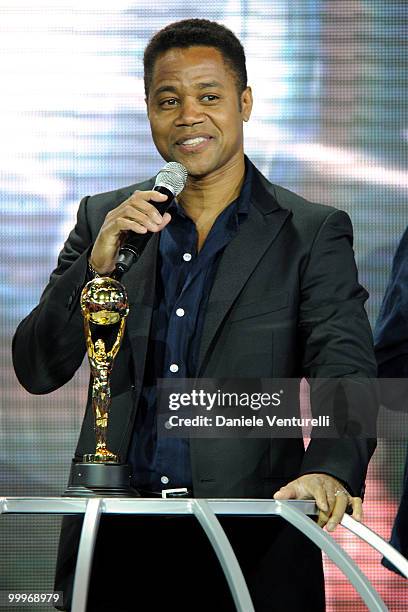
<point>173,89</point>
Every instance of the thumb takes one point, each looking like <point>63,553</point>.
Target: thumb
<point>287,492</point>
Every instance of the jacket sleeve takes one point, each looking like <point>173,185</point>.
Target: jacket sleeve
<point>337,343</point>
<point>49,344</point>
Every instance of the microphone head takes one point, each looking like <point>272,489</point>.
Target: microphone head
<point>173,176</point>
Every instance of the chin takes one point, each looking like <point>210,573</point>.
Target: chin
<point>198,168</point>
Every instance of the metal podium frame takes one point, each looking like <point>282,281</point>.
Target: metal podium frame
<point>206,510</point>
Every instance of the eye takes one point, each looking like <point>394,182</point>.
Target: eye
<point>210,98</point>
<point>168,103</point>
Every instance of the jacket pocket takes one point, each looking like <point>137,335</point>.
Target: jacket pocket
<point>272,303</point>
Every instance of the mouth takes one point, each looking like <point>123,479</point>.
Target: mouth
<point>194,144</point>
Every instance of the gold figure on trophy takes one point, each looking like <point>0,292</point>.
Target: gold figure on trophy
<point>104,303</point>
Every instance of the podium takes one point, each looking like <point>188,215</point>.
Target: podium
<point>296,512</point>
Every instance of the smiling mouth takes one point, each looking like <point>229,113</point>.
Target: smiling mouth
<point>195,142</point>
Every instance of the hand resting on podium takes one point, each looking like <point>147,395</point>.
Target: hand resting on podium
<point>332,499</point>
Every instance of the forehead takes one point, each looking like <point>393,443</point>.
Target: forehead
<point>190,65</point>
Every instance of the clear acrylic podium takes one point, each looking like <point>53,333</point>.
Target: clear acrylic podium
<point>206,510</point>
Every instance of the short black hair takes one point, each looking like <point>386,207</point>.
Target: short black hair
<point>197,33</point>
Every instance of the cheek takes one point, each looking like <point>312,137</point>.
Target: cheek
<point>231,125</point>
<point>157,122</point>
<point>159,134</point>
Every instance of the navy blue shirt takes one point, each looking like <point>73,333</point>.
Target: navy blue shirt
<point>185,278</point>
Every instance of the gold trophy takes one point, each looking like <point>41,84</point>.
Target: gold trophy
<point>104,306</point>
<point>103,302</point>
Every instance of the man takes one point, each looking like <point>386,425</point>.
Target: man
<point>241,279</point>
<point>391,345</point>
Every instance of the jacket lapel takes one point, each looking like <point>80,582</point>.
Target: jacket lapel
<point>241,256</point>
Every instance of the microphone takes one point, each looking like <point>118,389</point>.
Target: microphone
<point>171,181</point>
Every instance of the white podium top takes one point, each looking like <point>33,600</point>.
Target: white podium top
<point>126,505</point>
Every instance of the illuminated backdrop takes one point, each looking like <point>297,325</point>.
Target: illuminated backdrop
<point>329,122</point>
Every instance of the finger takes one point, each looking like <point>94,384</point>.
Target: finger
<point>357,505</point>
<point>156,196</point>
<point>159,226</point>
<point>132,208</point>
<point>319,493</point>
<point>125,225</point>
<point>153,195</point>
<point>166,220</point>
<point>143,201</point>
<point>342,501</point>
<point>150,221</point>
<point>286,492</point>
<point>137,212</point>
<point>322,518</point>
<point>331,499</point>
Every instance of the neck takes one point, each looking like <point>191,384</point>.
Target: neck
<point>204,198</point>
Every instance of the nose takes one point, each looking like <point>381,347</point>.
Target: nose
<point>190,113</point>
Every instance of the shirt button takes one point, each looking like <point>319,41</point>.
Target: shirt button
<point>187,256</point>
<point>180,312</point>
<point>174,367</point>
<point>164,479</point>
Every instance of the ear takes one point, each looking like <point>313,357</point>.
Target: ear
<point>246,103</point>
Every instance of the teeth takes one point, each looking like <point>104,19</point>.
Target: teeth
<point>193,141</point>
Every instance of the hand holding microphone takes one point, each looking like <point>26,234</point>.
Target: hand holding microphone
<point>128,227</point>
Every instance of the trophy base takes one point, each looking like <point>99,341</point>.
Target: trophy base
<point>100,480</point>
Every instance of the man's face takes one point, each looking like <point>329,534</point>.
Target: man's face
<point>194,110</point>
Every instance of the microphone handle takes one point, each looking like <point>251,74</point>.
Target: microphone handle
<point>135,244</point>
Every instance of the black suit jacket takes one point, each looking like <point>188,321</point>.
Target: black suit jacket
<point>285,303</point>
